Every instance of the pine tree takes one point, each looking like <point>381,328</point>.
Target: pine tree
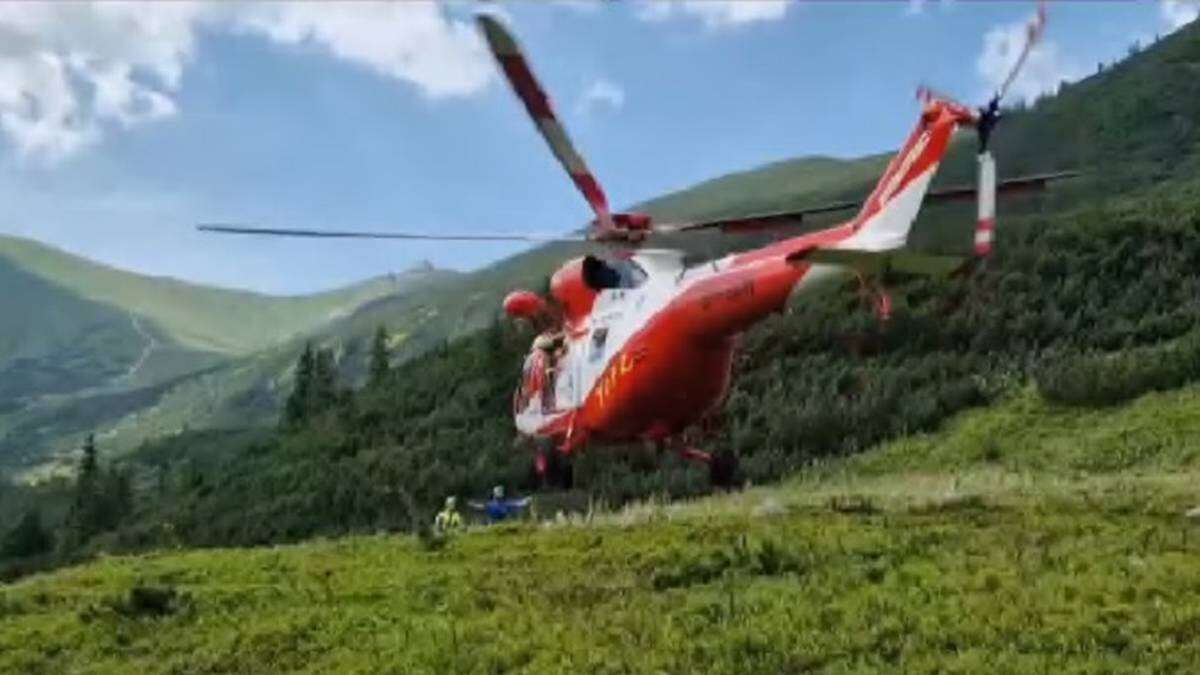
<point>380,358</point>
<point>323,390</point>
<point>86,513</point>
<point>89,467</point>
<point>296,409</point>
<point>28,538</point>
<point>116,500</point>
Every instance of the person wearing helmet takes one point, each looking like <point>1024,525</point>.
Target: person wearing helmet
<point>498,508</point>
<point>448,519</point>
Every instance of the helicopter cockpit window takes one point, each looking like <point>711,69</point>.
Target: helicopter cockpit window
<point>604,274</point>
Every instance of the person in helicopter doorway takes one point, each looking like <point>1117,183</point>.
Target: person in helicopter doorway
<point>498,508</point>
<point>550,344</point>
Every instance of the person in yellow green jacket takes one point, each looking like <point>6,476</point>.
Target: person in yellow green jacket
<point>448,519</point>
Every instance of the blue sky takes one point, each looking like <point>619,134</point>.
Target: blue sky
<point>121,125</point>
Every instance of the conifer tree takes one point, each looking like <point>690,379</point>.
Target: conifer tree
<point>118,498</point>
<point>380,358</point>
<point>28,538</point>
<point>89,467</point>
<point>296,409</point>
<point>85,515</point>
<point>323,389</point>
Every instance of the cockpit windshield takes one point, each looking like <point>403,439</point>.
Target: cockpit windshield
<point>605,274</point>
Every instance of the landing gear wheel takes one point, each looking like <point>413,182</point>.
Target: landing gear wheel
<point>723,470</point>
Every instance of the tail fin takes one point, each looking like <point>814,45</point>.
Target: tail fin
<point>888,213</point>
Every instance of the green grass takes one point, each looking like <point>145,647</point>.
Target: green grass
<point>1157,432</point>
<point>932,554</point>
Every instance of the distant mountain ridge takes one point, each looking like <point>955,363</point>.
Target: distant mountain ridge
<point>84,345</point>
<point>201,317</point>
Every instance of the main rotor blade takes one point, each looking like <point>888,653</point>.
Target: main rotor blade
<point>342,234</point>
<point>751,223</point>
<point>1033,33</point>
<point>516,69</point>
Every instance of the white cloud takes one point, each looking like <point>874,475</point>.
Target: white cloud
<point>601,93</point>
<point>714,14</point>
<point>68,68</point>
<point>1044,70</point>
<point>585,6</point>
<point>915,7</point>
<point>71,70</point>
<point>415,42</point>
<point>1178,13</point>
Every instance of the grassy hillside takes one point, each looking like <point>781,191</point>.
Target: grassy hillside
<point>84,347</point>
<point>60,342</point>
<point>1008,545</point>
<point>205,318</point>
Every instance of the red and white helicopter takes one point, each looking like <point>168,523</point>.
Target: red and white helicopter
<point>637,346</point>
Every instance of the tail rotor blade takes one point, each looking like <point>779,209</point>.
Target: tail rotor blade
<point>1033,34</point>
<point>926,93</point>
<point>525,84</point>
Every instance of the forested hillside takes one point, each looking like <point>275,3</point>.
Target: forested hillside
<point>1092,295</point>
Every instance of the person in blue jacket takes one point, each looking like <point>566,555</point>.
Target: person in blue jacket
<point>498,508</point>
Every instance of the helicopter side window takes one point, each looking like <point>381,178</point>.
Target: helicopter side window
<point>599,337</point>
<point>605,274</point>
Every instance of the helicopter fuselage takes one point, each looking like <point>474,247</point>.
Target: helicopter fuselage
<point>649,361</point>
<point>645,344</point>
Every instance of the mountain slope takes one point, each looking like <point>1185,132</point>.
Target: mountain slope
<point>59,342</point>
<point>85,347</point>
<point>199,317</point>
<point>967,565</point>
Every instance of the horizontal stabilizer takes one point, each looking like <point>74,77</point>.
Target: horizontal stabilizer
<point>767,221</point>
<point>1003,188</point>
<point>751,223</point>
<point>875,263</point>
